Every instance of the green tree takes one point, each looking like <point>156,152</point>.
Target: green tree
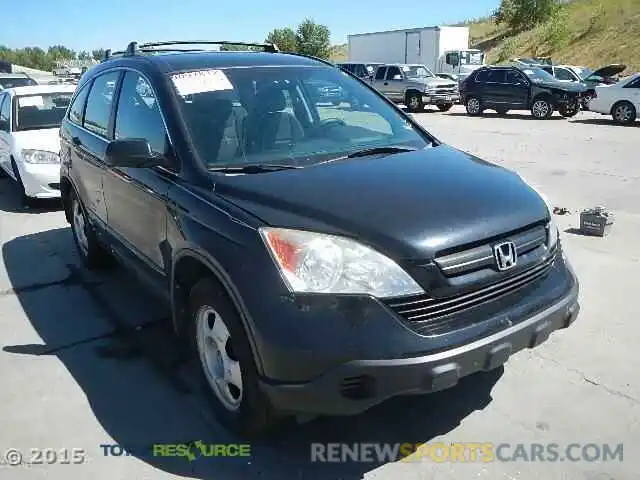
<point>98,54</point>
<point>525,14</point>
<point>84,55</point>
<point>313,39</point>
<point>236,48</point>
<point>284,38</point>
<point>60,52</point>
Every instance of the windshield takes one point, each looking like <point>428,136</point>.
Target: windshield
<point>471,58</point>
<point>16,82</point>
<point>417,71</point>
<point>44,110</point>
<point>538,75</point>
<point>583,72</point>
<point>286,115</point>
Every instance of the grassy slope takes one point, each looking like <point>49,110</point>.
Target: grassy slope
<point>598,32</point>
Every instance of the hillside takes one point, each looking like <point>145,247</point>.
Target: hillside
<point>589,32</point>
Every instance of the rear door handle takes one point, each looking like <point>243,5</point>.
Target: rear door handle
<point>386,83</point>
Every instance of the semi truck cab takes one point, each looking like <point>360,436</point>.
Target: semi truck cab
<point>461,62</point>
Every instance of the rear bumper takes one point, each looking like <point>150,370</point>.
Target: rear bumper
<point>356,386</point>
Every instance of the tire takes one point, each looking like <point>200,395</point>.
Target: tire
<point>474,106</point>
<point>624,113</point>
<point>445,107</point>
<point>25,199</point>
<point>569,110</point>
<point>541,109</point>
<point>413,102</point>
<point>502,111</point>
<point>93,255</point>
<point>244,409</point>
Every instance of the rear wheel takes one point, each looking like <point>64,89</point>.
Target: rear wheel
<point>225,359</point>
<point>474,107</point>
<point>542,109</point>
<point>92,254</point>
<point>414,102</point>
<point>445,107</point>
<point>624,113</point>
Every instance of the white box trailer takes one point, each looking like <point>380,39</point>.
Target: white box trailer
<point>441,49</point>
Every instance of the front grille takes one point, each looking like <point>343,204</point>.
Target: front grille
<point>435,314</point>
<point>458,263</point>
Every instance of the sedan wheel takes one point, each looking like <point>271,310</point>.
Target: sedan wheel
<point>91,252</point>
<point>624,112</point>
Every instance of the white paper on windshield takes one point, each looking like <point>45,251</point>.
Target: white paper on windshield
<point>405,69</point>
<point>201,81</point>
<point>31,101</point>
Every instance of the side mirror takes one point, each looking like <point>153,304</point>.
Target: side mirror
<point>132,153</point>
<point>397,77</point>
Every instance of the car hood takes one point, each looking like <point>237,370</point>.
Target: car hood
<point>433,81</point>
<point>46,139</point>
<point>410,205</point>
<point>610,70</point>
<point>566,86</point>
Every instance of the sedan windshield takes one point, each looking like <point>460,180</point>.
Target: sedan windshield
<point>45,110</point>
<point>584,72</point>
<point>12,82</point>
<point>538,75</point>
<point>293,116</point>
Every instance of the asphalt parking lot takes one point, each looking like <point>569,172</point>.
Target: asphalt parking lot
<point>88,359</point>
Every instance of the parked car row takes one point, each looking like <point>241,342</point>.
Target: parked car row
<point>528,87</point>
<point>298,284</point>
<point>413,85</point>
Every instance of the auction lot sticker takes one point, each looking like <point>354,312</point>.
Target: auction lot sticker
<point>201,81</point>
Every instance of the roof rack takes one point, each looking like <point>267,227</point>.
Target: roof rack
<point>135,49</point>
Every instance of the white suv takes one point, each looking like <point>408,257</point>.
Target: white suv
<point>30,119</point>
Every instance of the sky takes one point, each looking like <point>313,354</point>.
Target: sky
<point>90,24</point>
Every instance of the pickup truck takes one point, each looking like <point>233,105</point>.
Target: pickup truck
<point>415,86</point>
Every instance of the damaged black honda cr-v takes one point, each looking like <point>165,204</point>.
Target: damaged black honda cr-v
<point>318,258</point>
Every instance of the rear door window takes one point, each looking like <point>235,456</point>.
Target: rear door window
<point>392,72</point>
<point>76,112</point>
<point>380,73</point>
<point>482,76</point>
<point>497,76</point>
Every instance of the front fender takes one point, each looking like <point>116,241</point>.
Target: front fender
<point>218,271</point>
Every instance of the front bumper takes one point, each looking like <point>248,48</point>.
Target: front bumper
<point>356,386</point>
<point>40,180</point>
<point>439,99</point>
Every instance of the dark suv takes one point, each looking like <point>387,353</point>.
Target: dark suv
<point>317,259</point>
<point>520,88</point>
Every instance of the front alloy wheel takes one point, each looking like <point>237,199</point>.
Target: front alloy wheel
<point>221,369</point>
<point>91,252</point>
<point>414,102</point>
<point>569,109</point>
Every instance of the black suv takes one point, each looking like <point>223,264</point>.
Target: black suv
<point>317,259</point>
<point>520,88</point>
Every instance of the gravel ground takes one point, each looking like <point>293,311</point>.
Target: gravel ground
<point>87,359</point>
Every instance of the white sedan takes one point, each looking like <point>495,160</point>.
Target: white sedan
<point>620,100</point>
<point>30,119</point>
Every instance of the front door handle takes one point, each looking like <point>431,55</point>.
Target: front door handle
<point>386,83</point>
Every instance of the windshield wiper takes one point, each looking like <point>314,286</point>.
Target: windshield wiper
<point>379,150</point>
<point>252,168</point>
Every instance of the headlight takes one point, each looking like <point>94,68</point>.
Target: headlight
<point>318,263</point>
<point>552,232</point>
<point>40,156</point>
